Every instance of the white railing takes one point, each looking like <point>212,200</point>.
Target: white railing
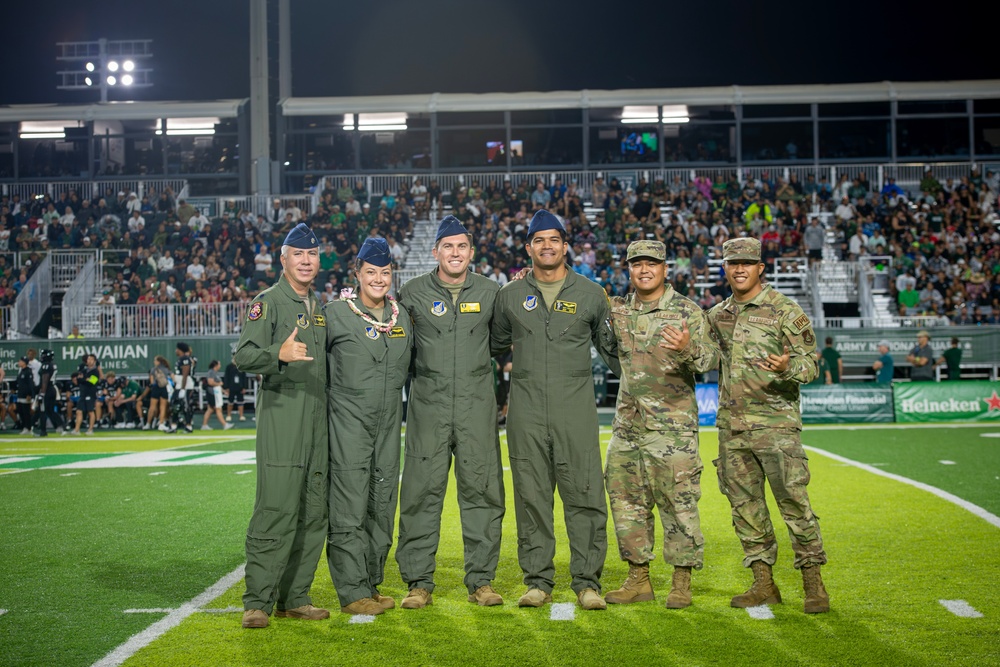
<point>33,300</point>
<point>6,318</point>
<point>883,322</point>
<point>66,265</point>
<point>876,268</point>
<point>816,299</point>
<point>90,189</point>
<point>256,204</point>
<point>174,319</point>
<point>80,293</point>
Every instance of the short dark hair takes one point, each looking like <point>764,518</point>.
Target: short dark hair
<point>829,340</point>
<point>183,347</point>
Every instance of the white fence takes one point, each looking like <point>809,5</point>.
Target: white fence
<point>183,319</point>
<point>90,189</point>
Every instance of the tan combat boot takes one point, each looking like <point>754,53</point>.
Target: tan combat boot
<point>364,606</point>
<point>817,599</point>
<point>636,588</point>
<point>384,601</point>
<point>680,589</point>
<point>485,596</point>
<point>763,590</point>
<point>591,600</point>
<point>417,598</point>
<point>305,612</point>
<point>534,597</point>
<point>255,618</point>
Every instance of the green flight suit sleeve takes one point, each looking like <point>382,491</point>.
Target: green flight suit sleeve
<point>702,352</point>
<point>603,336</point>
<point>256,351</point>
<point>798,333</point>
<point>500,330</point>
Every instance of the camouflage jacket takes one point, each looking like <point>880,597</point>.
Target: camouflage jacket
<point>657,384</point>
<point>750,396</point>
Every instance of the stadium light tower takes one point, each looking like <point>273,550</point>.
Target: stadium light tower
<point>105,64</point>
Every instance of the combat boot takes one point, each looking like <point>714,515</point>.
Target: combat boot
<point>364,606</point>
<point>534,597</point>
<point>591,600</point>
<point>306,612</point>
<point>485,596</point>
<point>255,618</point>
<point>680,589</point>
<point>763,590</point>
<point>385,601</point>
<point>636,588</point>
<point>817,599</point>
<point>417,598</point>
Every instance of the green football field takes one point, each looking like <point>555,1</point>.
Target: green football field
<point>127,548</point>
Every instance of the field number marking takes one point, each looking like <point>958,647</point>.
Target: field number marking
<point>361,618</point>
<point>960,608</point>
<point>760,613</point>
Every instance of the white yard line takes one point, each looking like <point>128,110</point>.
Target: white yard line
<point>946,463</point>
<point>960,608</point>
<point>2,612</point>
<point>940,493</point>
<point>760,613</point>
<point>174,618</point>
<point>562,611</point>
<point>361,618</point>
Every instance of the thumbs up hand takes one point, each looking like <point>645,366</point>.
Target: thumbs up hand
<point>293,350</point>
<point>778,363</point>
<point>674,338</point>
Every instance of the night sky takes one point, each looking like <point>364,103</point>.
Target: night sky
<point>379,47</point>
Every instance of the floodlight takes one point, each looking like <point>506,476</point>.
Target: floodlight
<point>113,66</point>
<point>88,81</point>
<point>112,80</point>
<point>126,79</point>
<point>90,67</point>
<point>128,65</point>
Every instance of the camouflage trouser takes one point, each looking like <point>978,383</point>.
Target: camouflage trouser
<point>660,468</point>
<point>746,458</point>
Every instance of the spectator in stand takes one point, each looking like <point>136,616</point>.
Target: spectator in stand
<point>814,238</point>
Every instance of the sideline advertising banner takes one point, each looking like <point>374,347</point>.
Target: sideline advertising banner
<point>947,401</point>
<point>859,347</point>
<point>708,403</point>
<point>845,403</point>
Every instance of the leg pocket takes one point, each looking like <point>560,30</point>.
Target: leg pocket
<point>348,497</point>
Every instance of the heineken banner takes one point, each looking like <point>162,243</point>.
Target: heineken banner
<point>123,356</point>
<point>859,347</point>
<point>947,401</point>
<point>842,403</point>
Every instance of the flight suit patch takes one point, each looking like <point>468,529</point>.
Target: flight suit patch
<point>801,322</point>
<point>438,308</point>
<point>468,307</point>
<point>302,320</point>
<point>257,311</point>
<point>762,320</point>
<point>530,302</point>
<point>565,307</point>
<point>397,332</point>
<point>372,333</point>
<point>319,320</point>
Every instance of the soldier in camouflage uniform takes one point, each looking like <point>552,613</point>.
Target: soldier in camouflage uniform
<point>663,340</point>
<point>767,345</point>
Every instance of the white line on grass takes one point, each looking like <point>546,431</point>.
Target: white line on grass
<point>946,463</point>
<point>961,608</point>
<point>69,474</point>
<point>562,611</point>
<point>155,610</point>
<point>760,613</point>
<point>142,639</point>
<point>989,435</point>
<point>940,493</point>
<point>243,472</point>
<point>361,618</point>
<point>2,612</point>
<point>160,472</point>
<point>224,610</point>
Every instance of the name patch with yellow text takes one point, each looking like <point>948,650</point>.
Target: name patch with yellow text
<point>319,320</point>
<point>468,307</point>
<point>565,307</point>
<point>397,332</point>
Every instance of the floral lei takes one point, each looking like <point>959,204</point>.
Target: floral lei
<point>347,294</point>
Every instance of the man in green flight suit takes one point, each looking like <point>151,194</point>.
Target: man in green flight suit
<point>283,340</point>
<point>369,343</point>
<point>663,341</point>
<point>767,347</point>
<point>452,412</point>
<point>551,318</point>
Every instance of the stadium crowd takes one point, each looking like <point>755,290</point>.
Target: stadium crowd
<point>940,245</point>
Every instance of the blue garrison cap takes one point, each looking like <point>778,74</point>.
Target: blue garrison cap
<point>301,237</point>
<point>374,250</point>
<point>450,226</point>
<point>542,221</point>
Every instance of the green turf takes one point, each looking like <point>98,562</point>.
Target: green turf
<point>76,553</point>
<point>917,453</point>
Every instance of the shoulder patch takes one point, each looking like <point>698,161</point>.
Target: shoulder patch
<point>801,322</point>
<point>257,311</point>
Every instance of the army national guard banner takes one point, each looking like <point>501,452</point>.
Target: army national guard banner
<point>859,347</point>
<point>947,401</point>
